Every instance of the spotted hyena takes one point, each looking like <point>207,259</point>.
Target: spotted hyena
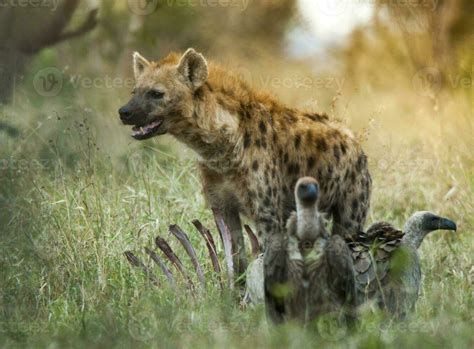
<point>252,149</point>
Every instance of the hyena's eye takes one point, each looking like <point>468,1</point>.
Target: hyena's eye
<point>134,92</point>
<point>155,94</point>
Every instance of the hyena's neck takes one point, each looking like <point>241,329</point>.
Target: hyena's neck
<point>213,133</point>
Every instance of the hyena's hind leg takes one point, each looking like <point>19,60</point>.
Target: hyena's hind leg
<point>351,210</point>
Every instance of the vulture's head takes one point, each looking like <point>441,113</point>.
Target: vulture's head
<point>307,191</point>
<point>423,222</point>
<point>310,223</point>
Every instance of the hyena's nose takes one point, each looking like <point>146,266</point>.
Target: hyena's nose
<point>125,113</point>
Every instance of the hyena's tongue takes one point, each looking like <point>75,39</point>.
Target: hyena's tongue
<point>144,132</point>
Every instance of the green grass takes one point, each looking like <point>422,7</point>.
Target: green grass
<point>75,193</point>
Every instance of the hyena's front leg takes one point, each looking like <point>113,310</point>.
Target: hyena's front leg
<point>219,195</point>
<point>232,219</point>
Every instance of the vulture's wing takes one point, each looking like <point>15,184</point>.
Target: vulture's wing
<point>275,276</point>
<point>383,231</point>
<point>341,273</point>
<point>371,253</point>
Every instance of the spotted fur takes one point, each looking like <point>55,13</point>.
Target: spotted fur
<point>252,148</point>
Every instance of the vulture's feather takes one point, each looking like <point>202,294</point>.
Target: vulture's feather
<point>385,261</point>
<point>387,264</point>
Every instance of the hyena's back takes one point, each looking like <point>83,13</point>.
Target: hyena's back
<point>282,145</point>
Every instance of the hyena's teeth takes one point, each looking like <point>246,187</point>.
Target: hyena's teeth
<point>142,130</point>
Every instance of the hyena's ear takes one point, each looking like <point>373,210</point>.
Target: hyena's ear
<point>139,64</point>
<point>193,67</point>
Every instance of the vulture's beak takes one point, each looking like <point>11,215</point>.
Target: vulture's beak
<point>446,224</point>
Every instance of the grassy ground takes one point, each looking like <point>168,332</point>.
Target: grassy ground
<point>76,192</point>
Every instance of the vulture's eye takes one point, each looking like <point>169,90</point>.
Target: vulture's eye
<point>155,94</point>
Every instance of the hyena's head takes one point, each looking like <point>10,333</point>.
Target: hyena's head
<point>162,99</point>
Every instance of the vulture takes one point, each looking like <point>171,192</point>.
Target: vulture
<point>386,262</point>
<point>320,271</point>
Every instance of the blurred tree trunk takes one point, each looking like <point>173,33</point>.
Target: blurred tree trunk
<point>258,24</point>
<point>135,25</point>
<point>24,31</point>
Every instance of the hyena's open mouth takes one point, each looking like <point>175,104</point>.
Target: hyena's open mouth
<point>147,131</point>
